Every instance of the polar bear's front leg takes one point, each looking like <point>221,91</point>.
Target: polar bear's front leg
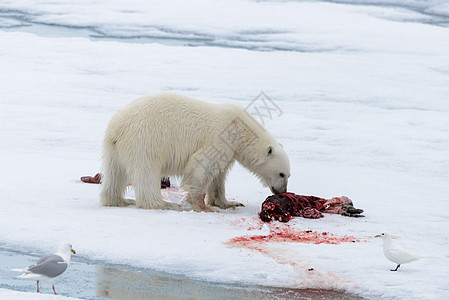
<point>216,193</point>
<point>199,172</point>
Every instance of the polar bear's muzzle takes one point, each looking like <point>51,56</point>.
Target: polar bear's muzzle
<point>278,191</point>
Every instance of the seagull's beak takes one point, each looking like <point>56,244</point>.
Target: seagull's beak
<point>377,235</point>
<point>73,251</point>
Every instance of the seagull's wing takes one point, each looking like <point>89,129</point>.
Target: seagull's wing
<point>401,255</point>
<point>50,266</point>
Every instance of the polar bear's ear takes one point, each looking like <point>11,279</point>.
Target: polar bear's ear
<point>270,150</point>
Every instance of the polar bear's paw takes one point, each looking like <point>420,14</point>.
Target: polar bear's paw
<point>120,203</point>
<point>225,204</point>
<point>203,207</point>
<point>164,205</point>
<point>235,204</point>
<point>128,202</point>
<point>172,206</point>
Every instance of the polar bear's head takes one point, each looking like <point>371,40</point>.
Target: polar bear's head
<point>275,170</point>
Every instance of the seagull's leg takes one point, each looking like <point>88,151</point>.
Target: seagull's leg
<point>397,267</point>
<point>38,286</point>
<point>53,286</point>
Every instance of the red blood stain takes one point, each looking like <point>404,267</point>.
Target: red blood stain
<point>203,204</point>
<point>290,235</point>
<point>253,223</point>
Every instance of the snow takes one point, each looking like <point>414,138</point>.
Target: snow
<point>363,90</point>
<point>13,295</point>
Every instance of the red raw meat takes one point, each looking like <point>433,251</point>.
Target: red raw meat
<point>285,206</point>
<point>165,182</point>
<point>89,179</point>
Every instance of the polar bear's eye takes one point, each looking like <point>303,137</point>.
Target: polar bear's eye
<point>282,175</point>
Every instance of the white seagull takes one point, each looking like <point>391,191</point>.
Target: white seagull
<point>50,267</point>
<point>395,253</point>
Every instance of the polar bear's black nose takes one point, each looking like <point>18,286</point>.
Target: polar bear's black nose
<point>280,191</point>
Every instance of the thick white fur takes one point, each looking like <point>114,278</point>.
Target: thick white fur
<point>168,134</point>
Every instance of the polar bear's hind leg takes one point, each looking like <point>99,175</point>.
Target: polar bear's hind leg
<point>113,183</point>
<point>148,193</point>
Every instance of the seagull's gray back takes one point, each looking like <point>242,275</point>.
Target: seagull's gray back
<point>50,266</point>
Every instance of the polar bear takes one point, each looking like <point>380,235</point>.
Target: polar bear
<point>172,135</point>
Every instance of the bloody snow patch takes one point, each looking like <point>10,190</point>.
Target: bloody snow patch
<point>288,234</point>
<point>253,223</point>
<point>308,273</point>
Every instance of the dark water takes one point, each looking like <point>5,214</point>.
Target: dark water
<point>95,280</point>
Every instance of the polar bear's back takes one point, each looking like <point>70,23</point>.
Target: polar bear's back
<point>172,128</point>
